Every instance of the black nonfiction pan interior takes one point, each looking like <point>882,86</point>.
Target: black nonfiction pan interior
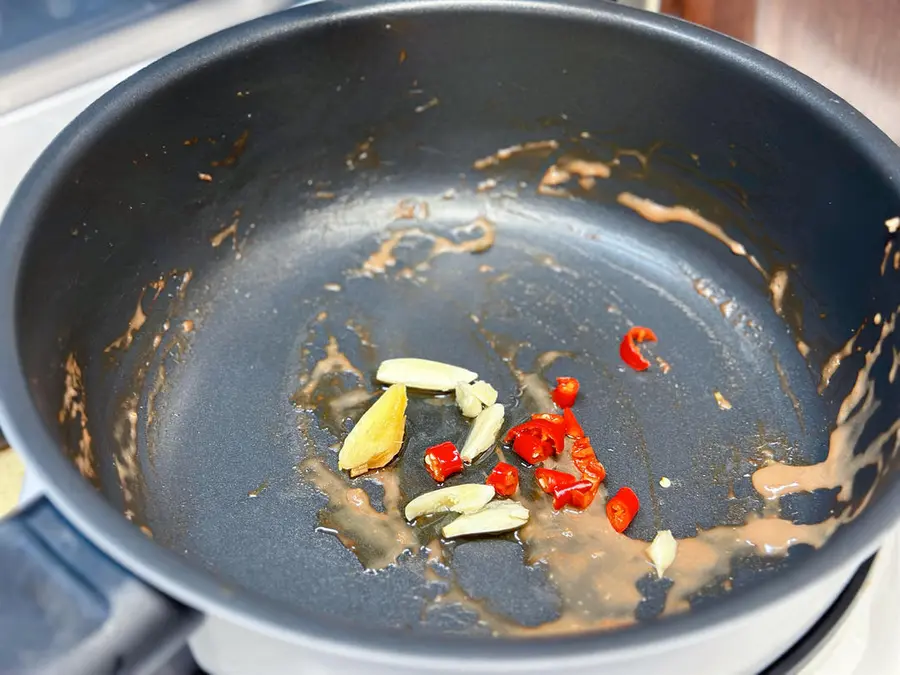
<point>231,189</point>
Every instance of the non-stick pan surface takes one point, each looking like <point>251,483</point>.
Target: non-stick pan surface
<point>225,223</point>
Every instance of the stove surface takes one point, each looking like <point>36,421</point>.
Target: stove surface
<point>861,641</point>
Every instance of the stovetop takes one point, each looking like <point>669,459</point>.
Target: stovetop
<point>858,636</point>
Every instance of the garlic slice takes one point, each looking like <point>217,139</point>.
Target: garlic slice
<point>485,392</point>
<point>484,432</point>
<point>500,516</point>
<point>423,374</point>
<point>469,404</point>
<point>377,437</point>
<point>662,551</point>
<point>458,498</point>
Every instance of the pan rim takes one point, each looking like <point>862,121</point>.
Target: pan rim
<point>174,575</point>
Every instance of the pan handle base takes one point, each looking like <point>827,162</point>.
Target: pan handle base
<point>68,608</point>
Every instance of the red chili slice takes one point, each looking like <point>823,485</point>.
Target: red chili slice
<point>573,428</point>
<point>550,479</point>
<point>565,392</point>
<point>531,448</point>
<point>504,479</point>
<point>579,494</point>
<point>622,509</point>
<point>549,434</point>
<point>581,499</point>
<point>629,351</point>
<point>586,461</point>
<point>442,461</point>
<point>550,417</point>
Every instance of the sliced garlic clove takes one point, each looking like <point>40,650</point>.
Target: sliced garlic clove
<point>457,498</point>
<point>377,437</point>
<point>468,402</point>
<point>662,551</point>
<point>423,374</point>
<point>501,516</point>
<point>484,432</point>
<point>485,392</point>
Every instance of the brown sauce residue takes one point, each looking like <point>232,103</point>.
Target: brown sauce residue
<point>565,169</point>
<point>150,377</point>
<point>708,556</point>
<point>657,213</point>
<point>258,490</point>
<point>237,149</point>
<point>137,320</point>
<point>334,362</point>
<point>584,168</point>
<point>595,569</point>
<point>535,391</point>
<point>777,288</point>
<point>383,259</point>
<point>486,185</point>
<point>410,209</point>
<point>376,538</point>
<point>156,387</point>
<point>728,308</point>
<point>643,158</point>
<point>504,154</point>
<point>664,365</point>
<point>785,385</point>
<point>364,156</point>
<point>231,231</point>
<point>887,254</point>
<point>74,408</point>
<point>433,102</point>
<point>126,455</point>
<point>551,181</point>
<point>833,362</point>
<point>895,365</point>
<point>843,460</point>
<point>721,401</point>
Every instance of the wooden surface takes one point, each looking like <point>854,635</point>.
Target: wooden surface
<point>850,46</point>
<point>11,474</point>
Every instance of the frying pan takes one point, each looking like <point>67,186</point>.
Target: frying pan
<point>297,192</point>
